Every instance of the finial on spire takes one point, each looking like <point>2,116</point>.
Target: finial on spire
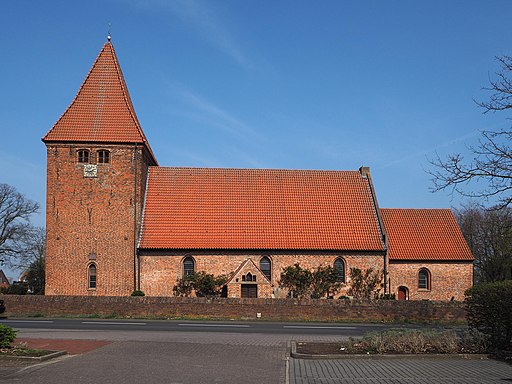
<point>109,36</point>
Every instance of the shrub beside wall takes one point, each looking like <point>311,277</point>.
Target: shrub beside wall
<point>489,309</point>
<point>7,336</point>
<point>239,309</point>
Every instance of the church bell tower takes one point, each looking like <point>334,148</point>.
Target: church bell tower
<point>97,163</point>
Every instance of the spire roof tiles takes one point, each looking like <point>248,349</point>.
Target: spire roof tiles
<point>102,110</point>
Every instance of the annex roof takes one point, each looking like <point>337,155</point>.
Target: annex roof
<point>102,110</point>
<point>212,208</point>
<point>424,234</point>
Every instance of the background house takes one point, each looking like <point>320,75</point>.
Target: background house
<point>4,281</point>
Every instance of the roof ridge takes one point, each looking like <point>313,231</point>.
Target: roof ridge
<point>416,209</point>
<point>257,169</point>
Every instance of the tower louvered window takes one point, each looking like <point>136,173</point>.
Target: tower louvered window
<point>103,156</point>
<point>83,156</point>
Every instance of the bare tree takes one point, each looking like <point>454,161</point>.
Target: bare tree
<point>488,233</point>
<point>15,228</point>
<point>32,248</point>
<point>489,170</point>
<point>501,88</point>
<point>33,261</point>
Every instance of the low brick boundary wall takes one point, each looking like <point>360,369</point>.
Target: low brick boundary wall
<point>240,309</point>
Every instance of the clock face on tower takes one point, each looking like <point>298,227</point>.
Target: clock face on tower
<point>90,170</point>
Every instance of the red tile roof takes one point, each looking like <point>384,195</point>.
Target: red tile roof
<point>424,234</point>
<point>102,110</point>
<point>198,208</point>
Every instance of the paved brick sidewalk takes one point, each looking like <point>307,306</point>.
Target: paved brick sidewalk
<point>404,370</point>
<point>134,362</point>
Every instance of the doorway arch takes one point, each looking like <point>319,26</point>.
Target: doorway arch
<point>403,293</point>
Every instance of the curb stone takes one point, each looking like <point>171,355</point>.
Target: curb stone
<point>49,356</point>
<point>309,356</point>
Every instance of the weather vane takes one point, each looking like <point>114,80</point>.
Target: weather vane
<point>109,36</point>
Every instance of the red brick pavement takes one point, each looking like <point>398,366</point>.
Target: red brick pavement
<point>72,347</point>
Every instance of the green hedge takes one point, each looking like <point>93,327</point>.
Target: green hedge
<point>489,309</point>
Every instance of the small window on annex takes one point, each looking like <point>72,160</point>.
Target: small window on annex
<point>91,276</point>
<point>339,267</point>
<point>424,279</point>
<point>266,267</point>
<point>249,277</point>
<point>188,266</point>
<point>83,156</point>
<point>103,156</point>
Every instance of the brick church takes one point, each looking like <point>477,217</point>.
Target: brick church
<point>117,221</point>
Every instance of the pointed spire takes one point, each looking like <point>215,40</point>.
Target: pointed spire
<point>102,110</point>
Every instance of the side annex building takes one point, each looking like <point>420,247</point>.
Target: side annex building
<point>117,221</point>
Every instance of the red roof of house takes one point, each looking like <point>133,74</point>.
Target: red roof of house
<point>424,234</point>
<point>199,208</point>
<point>102,110</point>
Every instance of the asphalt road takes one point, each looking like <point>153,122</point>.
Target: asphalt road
<point>337,329</point>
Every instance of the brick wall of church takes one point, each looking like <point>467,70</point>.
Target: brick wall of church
<point>159,271</point>
<point>91,220</point>
<point>447,279</point>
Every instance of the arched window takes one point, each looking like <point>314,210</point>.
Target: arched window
<point>188,266</point>
<point>339,267</point>
<point>266,267</point>
<point>83,156</point>
<point>103,156</point>
<point>424,279</point>
<point>91,276</point>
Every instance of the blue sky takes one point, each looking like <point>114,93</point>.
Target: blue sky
<point>263,84</point>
